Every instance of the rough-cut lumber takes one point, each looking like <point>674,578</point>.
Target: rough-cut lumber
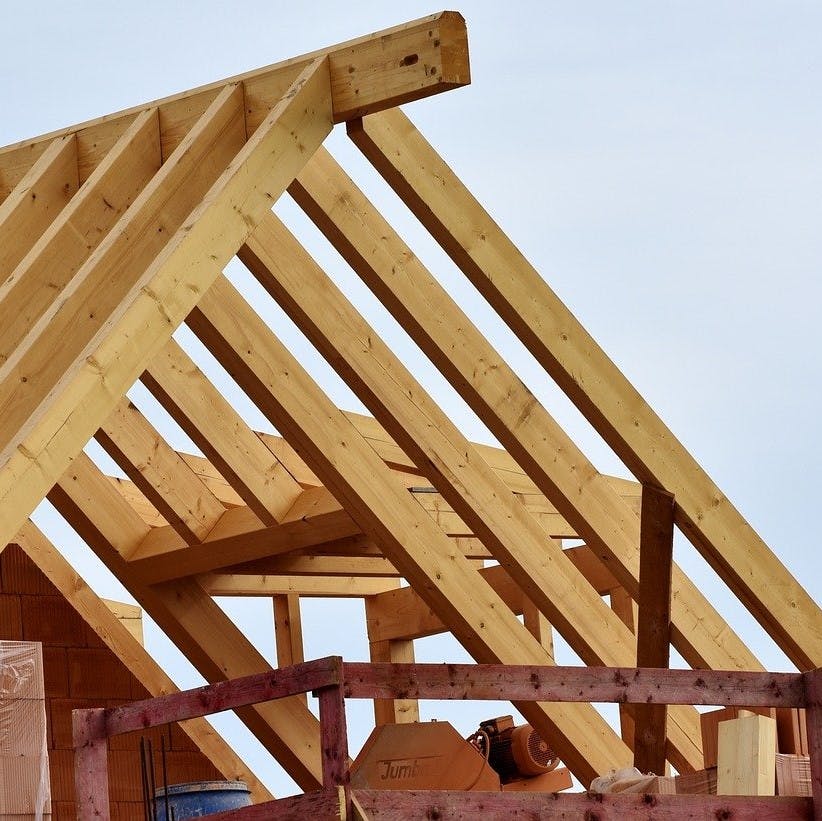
<point>167,291</point>
<point>656,552</point>
<point>464,806</point>
<point>90,764</point>
<point>591,380</point>
<point>208,638</point>
<point>489,386</point>
<point>79,228</point>
<point>632,685</point>
<point>222,435</point>
<point>407,62</point>
<point>382,507</point>
<point>36,201</point>
<point>97,614</point>
<point>813,700</point>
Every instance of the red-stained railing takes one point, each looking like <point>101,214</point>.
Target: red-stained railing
<point>333,680</point>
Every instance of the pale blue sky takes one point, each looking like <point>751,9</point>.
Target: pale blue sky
<point>660,163</point>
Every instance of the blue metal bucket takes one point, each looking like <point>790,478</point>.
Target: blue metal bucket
<point>201,798</point>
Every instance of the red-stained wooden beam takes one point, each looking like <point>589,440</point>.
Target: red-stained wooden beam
<point>656,556</point>
<point>90,764</point>
<point>500,806</point>
<point>333,737</point>
<point>323,805</point>
<point>597,684</point>
<point>224,695</point>
<point>813,716</point>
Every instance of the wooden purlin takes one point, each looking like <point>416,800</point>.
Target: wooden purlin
<point>41,448</point>
<point>279,386</point>
<point>489,386</point>
<point>202,632</point>
<point>591,380</point>
<point>98,615</point>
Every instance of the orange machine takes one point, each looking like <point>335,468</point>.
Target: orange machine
<point>433,756</point>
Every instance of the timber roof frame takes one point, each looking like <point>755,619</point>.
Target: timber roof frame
<point>116,231</point>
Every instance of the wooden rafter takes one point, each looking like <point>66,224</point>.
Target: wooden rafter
<point>597,387</point>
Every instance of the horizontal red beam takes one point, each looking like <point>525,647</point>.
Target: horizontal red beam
<point>324,805</point>
<point>224,695</point>
<point>597,684</point>
<point>500,806</point>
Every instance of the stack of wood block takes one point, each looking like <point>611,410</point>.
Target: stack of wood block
<point>758,751</point>
<point>24,764</point>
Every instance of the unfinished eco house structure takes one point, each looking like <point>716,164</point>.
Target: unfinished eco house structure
<point>115,232</point>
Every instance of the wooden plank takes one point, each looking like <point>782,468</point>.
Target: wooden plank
<point>199,628</point>
<point>625,607</point>
<point>66,244</point>
<point>595,385</point>
<point>368,73</point>
<point>159,472</point>
<point>382,507</point>
<point>354,349</point>
<point>631,685</point>
<point>110,628</point>
<point>324,587</point>
<point>333,735</point>
<point>462,806</point>
<point>746,756</point>
<point>436,323</point>
<point>656,552</point>
<point>222,435</point>
<point>36,201</point>
<point>328,805</point>
<point>116,267</point>
<point>222,695</point>
<point>238,537</point>
<point>308,565</point>
<point>167,291</point>
<point>538,626</point>
<point>288,630</point>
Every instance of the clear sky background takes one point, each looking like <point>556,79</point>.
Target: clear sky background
<point>659,163</point>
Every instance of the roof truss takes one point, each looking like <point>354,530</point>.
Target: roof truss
<point>115,232</point>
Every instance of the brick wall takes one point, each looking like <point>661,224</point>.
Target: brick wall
<point>80,671</point>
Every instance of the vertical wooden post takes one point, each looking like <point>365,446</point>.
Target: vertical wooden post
<point>656,548</point>
<point>625,607</point>
<point>537,625</point>
<point>90,764</point>
<point>333,737</point>
<point>813,712</point>
<point>394,710</point>
<point>288,632</point>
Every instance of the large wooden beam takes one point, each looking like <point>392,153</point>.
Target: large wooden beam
<point>98,615</point>
<point>220,432</point>
<point>382,507</point>
<point>79,228</point>
<point>656,551</point>
<point>592,381</point>
<point>36,201</point>
<point>491,388</point>
<point>387,68</point>
<point>159,472</point>
<point>40,448</point>
<point>188,616</point>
